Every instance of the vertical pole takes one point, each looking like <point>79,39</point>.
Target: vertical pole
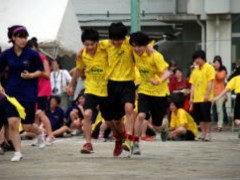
<point>135,15</point>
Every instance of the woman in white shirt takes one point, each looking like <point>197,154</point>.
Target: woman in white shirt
<point>59,81</point>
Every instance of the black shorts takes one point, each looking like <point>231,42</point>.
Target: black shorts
<point>155,106</point>
<point>119,93</point>
<point>7,110</point>
<point>30,109</point>
<point>202,112</point>
<point>237,107</point>
<point>92,101</point>
<point>189,136</point>
<point>42,103</point>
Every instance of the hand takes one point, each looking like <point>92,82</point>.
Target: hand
<point>206,98</point>
<point>26,75</point>
<point>154,82</point>
<point>2,91</point>
<point>150,50</point>
<point>190,106</point>
<point>214,100</point>
<point>70,90</point>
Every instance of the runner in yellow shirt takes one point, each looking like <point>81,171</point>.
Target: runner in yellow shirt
<point>121,87</point>
<point>233,84</point>
<point>153,88</point>
<point>201,94</point>
<point>94,61</point>
<point>182,125</point>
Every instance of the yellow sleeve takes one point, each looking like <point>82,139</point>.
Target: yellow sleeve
<point>137,76</point>
<point>231,85</point>
<point>191,77</point>
<point>211,73</point>
<point>160,62</point>
<point>79,63</point>
<point>104,44</point>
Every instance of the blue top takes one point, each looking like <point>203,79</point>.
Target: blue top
<point>56,118</point>
<point>29,60</point>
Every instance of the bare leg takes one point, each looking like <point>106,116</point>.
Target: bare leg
<point>130,118</point>
<point>61,131</point>
<point>46,122</point>
<point>14,135</point>
<point>87,125</point>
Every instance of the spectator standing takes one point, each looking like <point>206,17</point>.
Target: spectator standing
<point>201,79</point>
<point>60,78</point>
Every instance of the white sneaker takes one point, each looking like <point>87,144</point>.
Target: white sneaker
<point>17,157</point>
<point>50,140</point>
<point>208,137</point>
<point>34,142</point>
<point>136,149</point>
<point>41,141</point>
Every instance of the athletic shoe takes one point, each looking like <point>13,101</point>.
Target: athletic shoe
<point>127,145</point>
<point>1,151</point>
<point>41,141</point>
<point>17,157</point>
<point>201,137</point>
<point>50,140</point>
<point>101,138</point>
<point>118,148</point>
<point>208,138</point>
<point>164,135</point>
<point>87,148</point>
<point>136,149</point>
<point>34,142</point>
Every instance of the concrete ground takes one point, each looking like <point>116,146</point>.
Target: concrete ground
<point>219,159</point>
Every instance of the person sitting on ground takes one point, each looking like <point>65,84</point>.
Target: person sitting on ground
<point>74,114</point>
<point>182,125</point>
<point>56,116</point>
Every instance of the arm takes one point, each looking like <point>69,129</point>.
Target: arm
<point>46,73</point>
<point>158,80</point>
<point>209,89</point>
<point>191,98</point>
<point>28,75</point>
<point>72,83</point>
<point>220,95</point>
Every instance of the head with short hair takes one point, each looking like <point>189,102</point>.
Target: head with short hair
<point>177,100</point>
<point>90,38</point>
<point>55,101</point>
<point>90,35</point>
<point>199,57</point>
<point>139,41</point>
<point>55,64</point>
<point>117,33</point>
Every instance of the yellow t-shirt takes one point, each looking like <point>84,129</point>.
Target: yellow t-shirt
<point>199,79</point>
<point>181,117</point>
<point>96,68</point>
<point>234,84</point>
<point>149,67</point>
<point>120,61</point>
<point>137,76</point>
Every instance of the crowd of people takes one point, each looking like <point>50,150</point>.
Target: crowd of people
<point>122,90</point>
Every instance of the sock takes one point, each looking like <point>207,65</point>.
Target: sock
<point>135,138</point>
